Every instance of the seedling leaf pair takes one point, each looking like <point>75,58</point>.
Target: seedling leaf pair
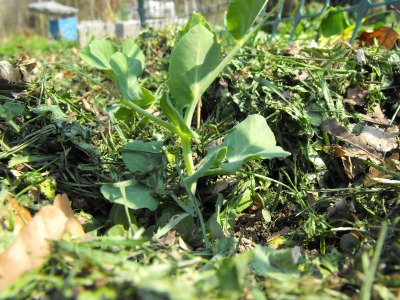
<point>123,67</point>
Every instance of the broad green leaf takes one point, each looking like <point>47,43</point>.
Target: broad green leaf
<point>130,49</point>
<point>231,272</point>
<point>232,167</point>
<point>349,243</point>
<point>251,139</point>
<point>194,20</point>
<point>220,156</point>
<point>117,231</point>
<point>55,112</point>
<point>213,158</point>
<point>48,188</point>
<point>241,15</point>
<point>224,246</point>
<point>266,215</point>
<point>173,114</point>
<point>121,112</point>
<point>98,54</point>
<point>194,58</point>
<point>147,100</point>
<point>128,70</point>
<point>272,263</point>
<point>151,147</point>
<point>244,201</point>
<point>231,218</point>
<point>332,22</point>
<point>137,196</point>
<point>216,229</point>
<point>10,110</point>
<point>186,228</point>
<point>142,157</point>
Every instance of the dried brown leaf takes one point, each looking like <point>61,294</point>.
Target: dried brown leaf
<point>352,166</point>
<point>378,139</point>
<point>386,36</point>
<point>333,127</point>
<point>303,76</point>
<point>169,239</point>
<point>32,246</point>
<point>356,96</point>
<point>341,210</point>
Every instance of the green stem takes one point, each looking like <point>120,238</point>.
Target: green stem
<point>366,288</point>
<point>155,119</point>
<point>210,78</point>
<point>188,159</point>
<point>216,171</point>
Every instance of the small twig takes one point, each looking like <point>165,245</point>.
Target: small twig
<point>395,9</point>
<point>374,82</point>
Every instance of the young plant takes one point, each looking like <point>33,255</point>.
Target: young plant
<point>195,64</point>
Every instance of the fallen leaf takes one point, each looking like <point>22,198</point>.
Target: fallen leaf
<point>34,193</point>
<point>20,214</point>
<point>288,95</point>
<point>341,210</point>
<point>365,146</point>
<point>278,234</point>
<point>183,245</point>
<point>292,50</point>
<point>31,248</point>
<point>168,239</point>
<point>75,51</point>
<point>356,96</point>
<point>303,76</point>
<point>68,73</point>
<point>333,127</point>
<point>377,117</point>
<point>223,184</point>
<point>9,76</point>
<point>25,61</point>
<point>379,139</point>
<point>311,198</point>
<point>386,36</point>
<point>214,143</point>
<point>378,114</point>
<point>352,166</point>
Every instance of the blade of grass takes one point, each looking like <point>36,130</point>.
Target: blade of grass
<point>366,288</point>
<point>382,169</point>
<point>170,225</point>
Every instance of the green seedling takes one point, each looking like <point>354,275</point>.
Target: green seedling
<point>195,64</point>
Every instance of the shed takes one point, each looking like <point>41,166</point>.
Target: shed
<point>62,19</point>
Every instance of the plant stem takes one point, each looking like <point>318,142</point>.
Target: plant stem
<point>155,119</point>
<point>188,159</point>
<point>210,78</point>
